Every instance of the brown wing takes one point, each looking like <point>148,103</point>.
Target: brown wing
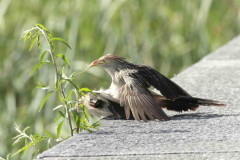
<point>137,99</point>
<point>167,87</point>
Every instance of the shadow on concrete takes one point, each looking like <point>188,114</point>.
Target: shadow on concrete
<point>200,116</point>
<point>167,131</point>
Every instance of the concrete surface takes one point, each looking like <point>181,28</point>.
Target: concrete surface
<point>209,133</point>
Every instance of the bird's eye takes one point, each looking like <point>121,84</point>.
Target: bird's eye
<point>99,104</point>
<point>103,60</point>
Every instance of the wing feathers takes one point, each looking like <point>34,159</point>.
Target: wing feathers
<point>141,103</point>
<point>139,108</point>
<point>123,102</point>
<point>167,87</point>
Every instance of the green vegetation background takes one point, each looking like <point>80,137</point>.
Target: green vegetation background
<point>168,35</point>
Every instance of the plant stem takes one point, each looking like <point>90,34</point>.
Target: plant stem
<point>57,78</point>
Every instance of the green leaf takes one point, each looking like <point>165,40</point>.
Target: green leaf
<point>38,66</point>
<point>96,124</point>
<point>49,134</point>
<point>33,41</point>
<point>26,35</point>
<point>59,106</point>
<point>45,99</point>
<point>18,136</point>
<point>37,139</point>
<point>17,128</point>
<point>25,38</point>
<point>85,90</point>
<point>83,120</point>
<point>82,90</point>
<point>41,85</point>
<point>72,102</point>
<point>52,45</point>
<point>38,41</point>
<point>43,55</point>
<point>76,116</point>
<point>69,94</point>
<point>49,143</point>
<point>64,59</point>
<point>17,140</point>
<point>26,147</point>
<point>61,114</point>
<point>59,128</point>
<point>61,40</point>
<point>25,129</point>
<point>61,98</point>
<point>85,112</point>
<point>70,81</point>
<point>42,27</point>
<point>34,154</point>
<point>56,119</point>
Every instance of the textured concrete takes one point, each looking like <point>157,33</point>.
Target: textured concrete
<point>208,133</point>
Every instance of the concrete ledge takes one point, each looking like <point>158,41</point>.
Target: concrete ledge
<point>208,133</point>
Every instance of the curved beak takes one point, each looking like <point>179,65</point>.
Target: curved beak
<point>94,63</point>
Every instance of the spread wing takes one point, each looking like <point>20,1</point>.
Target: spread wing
<point>153,78</point>
<point>136,99</point>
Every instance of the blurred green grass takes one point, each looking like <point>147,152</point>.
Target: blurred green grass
<point>168,35</point>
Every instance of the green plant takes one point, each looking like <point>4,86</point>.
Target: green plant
<point>168,35</point>
<point>64,86</point>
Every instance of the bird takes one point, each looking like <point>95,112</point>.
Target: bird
<point>131,84</point>
<point>102,106</point>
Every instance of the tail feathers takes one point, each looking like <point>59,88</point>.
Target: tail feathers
<point>200,101</point>
<point>185,103</point>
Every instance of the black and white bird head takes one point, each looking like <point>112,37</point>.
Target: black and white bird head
<point>101,105</point>
<point>96,106</point>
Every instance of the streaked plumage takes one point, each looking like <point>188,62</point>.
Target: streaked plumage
<point>130,85</point>
<point>101,105</point>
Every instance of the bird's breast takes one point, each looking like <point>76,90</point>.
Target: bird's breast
<point>114,90</point>
<point>117,83</point>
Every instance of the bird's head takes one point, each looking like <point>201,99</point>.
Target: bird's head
<point>96,106</point>
<point>107,61</point>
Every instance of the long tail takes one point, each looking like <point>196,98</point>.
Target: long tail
<point>185,103</point>
<point>200,101</point>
